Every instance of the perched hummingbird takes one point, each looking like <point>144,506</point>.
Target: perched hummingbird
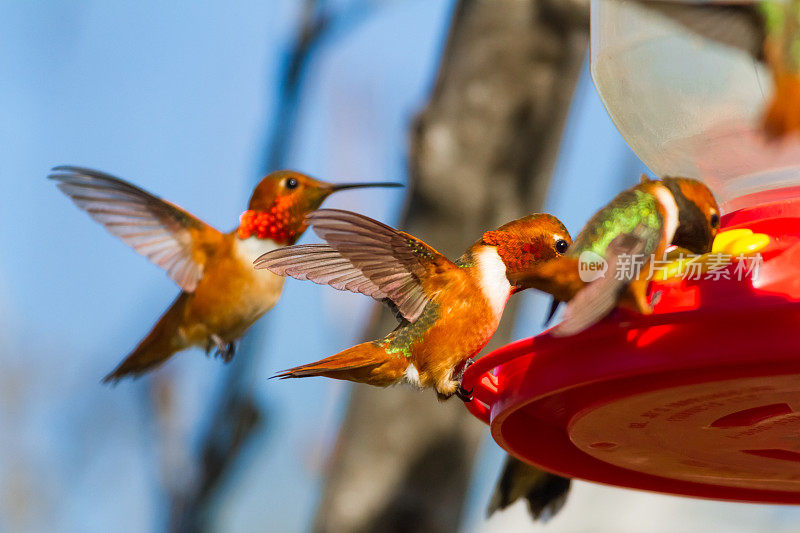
<point>221,295</point>
<point>639,222</point>
<point>635,228</point>
<point>544,492</point>
<point>768,30</point>
<point>447,310</point>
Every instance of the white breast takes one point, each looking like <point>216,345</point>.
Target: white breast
<point>252,248</point>
<point>264,288</point>
<point>492,278</point>
<point>667,201</point>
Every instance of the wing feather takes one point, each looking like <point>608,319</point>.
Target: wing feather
<point>154,228</point>
<point>600,297</point>
<point>321,264</point>
<point>397,262</point>
<point>366,256</point>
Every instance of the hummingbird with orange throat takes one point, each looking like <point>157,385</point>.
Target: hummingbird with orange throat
<point>638,224</point>
<point>447,310</point>
<point>221,294</point>
<point>625,236</point>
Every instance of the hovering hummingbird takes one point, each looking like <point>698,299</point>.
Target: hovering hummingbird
<point>544,492</point>
<point>447,310</point>
<point>768,30</point>
<point>221,295</point>
<point>636,227</point>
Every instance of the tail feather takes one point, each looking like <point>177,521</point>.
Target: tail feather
<point>365,363</point>
<point>158,346</point>
<point>545,493</point>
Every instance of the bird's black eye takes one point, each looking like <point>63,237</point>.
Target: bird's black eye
<point>291,183</point>
<point>714,221</point>
<point>561,246</point>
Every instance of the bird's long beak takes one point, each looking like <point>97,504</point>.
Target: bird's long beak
<point>335,187</point>
<point>321,190</point>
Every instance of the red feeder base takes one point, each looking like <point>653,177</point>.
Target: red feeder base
<point>702,398</point>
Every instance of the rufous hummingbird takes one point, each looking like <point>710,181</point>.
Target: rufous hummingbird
<point>447,310</point>
<point>636,227</point>
<point>640,222</point>
<point>221,294</point>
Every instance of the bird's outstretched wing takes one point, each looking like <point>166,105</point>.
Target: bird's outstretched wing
<point>366,256</point>
<point>164,233</point>
<point>321,264</point>
<point>600,297</point>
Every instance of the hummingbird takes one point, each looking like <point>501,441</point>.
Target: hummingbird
<point>639,222</point>
<point>447,310</point>
<point>768,31</point>
<point>624,237</point>
<point>221,294</point>
<point>544,492</point>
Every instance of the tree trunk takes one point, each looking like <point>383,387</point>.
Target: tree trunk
<point>482,153</point>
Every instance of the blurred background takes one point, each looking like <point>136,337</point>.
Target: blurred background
<point>484,109</point>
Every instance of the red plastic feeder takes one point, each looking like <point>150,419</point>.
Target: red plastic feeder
<point>702,398</point>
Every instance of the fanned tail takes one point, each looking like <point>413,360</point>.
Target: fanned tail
<point>158,346</point>
<point>365,363</point>
<point>545,493</point>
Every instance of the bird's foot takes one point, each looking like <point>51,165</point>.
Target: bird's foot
<point>227,352</point>
<point>216,342</point>
<point>224,350</point>
<point>464,394</point>
<point>467,363</point>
